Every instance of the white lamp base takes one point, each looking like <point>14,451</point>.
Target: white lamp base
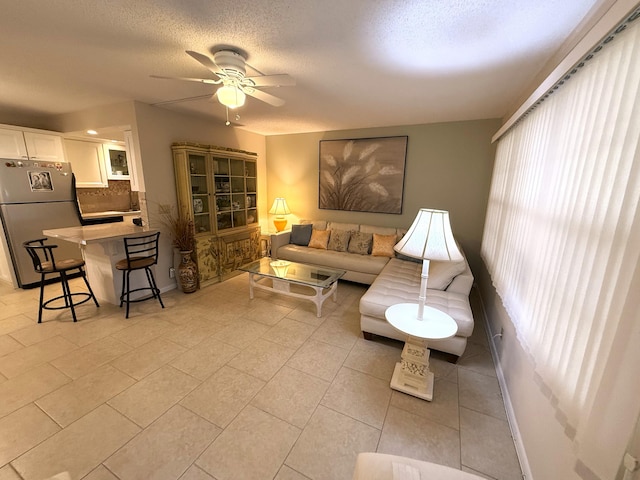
<point>412,375</point>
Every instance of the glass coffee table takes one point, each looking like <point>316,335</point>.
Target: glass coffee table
<point>281,275</point>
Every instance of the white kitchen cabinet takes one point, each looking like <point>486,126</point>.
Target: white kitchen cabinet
<point>132,160</point>
<point>12,144</point>
<point>29,145</point>
<point>87,163</point>
<point>45,147</point>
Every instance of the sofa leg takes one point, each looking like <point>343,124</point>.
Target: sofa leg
<point>368,335</point>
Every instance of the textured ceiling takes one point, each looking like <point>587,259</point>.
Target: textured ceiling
<point>357,63</point>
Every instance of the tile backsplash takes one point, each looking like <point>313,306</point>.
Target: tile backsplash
<point>118,196</point>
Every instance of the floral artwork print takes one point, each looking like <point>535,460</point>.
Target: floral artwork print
<point>362,175</point>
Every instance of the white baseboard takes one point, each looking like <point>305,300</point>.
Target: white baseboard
<point>511,417</point>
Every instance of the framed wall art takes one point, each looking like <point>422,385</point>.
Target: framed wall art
<point>362,175</point>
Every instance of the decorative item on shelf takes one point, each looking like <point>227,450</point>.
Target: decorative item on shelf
<point>198,206</point>
<point>280,209</point>
<point>182,231</point>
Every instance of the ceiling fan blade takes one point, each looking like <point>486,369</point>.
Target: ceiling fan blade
<point>264,96</point>
<point>282,80</point>
<point>205,61</point>
<point>208,81</point>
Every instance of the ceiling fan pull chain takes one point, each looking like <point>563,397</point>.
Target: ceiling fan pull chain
<point>227,123</point>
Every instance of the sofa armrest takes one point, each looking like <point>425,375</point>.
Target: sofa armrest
<point>278,240</point>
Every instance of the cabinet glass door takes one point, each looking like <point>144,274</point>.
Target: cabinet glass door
<point>251,191</point>
<point>199,193</point>
<point>235,192</point>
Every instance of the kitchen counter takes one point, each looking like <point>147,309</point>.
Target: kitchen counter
<point>97,233</point>
<point>111,213</point>
<point>102,247</point>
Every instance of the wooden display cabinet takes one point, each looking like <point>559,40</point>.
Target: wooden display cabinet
<point>217,188</point>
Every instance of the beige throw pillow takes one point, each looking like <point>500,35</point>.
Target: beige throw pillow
<point>360,243</point>
<point>383,245</point>
<point>339,240</point>
<point>319,239</point>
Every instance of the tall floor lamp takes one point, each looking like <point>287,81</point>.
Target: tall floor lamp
<point>429,238</point>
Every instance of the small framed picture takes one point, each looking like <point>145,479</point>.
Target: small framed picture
<point>40,181</point>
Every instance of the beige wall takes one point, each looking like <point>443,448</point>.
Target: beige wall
<point>448,166</point>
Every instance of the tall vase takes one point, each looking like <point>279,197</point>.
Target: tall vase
<point>188,272</point>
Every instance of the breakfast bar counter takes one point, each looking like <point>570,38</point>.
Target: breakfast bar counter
<point>102,247</point>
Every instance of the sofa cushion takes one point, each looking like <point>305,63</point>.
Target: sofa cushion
<point>442,273</point>
<point>319,239</point>
<point>383,245</point>
<point>360,243</point>
<point>301,234</point>
<point>407,258</point>
<point>328,258</point>
<point>339,240</point>
<point>349,227</point>
<point>379,230</point>
<point>317,224</point>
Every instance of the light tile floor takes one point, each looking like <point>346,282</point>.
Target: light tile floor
<point>217,386</point>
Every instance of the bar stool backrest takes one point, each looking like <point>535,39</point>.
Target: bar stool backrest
<point>35,246</point>
<point>142,247</point>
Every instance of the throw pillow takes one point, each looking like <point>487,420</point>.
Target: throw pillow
<point>441,274</point>
<point>339,240</point>
<point>319,239</point>
<point>301,234</point>
<point>383,245</point>
<point>360,243</point>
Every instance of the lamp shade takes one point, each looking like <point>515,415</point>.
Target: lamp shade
<point>430,237</point>
<point>231,96</point>
<point>280,207</point>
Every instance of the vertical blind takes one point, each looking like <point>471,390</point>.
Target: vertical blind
<point>562,233</point>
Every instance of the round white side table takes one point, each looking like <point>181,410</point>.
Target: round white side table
<point>412,375</point>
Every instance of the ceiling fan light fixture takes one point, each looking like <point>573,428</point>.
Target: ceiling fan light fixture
<point>231,96</point>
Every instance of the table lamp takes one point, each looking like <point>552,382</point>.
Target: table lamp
<point>280,209</point>
<point>429,238</point>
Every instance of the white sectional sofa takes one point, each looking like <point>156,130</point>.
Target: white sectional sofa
<point>393,280</point>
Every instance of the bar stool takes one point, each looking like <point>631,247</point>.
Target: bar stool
<point>36,249</point>
<point>142,253</point>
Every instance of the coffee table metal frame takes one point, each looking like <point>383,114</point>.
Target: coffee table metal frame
<point>283,274</point>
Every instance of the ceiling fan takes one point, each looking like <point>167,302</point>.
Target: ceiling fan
<point>230,67</point>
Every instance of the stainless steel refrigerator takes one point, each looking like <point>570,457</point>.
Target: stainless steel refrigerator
<point>35,196</point>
